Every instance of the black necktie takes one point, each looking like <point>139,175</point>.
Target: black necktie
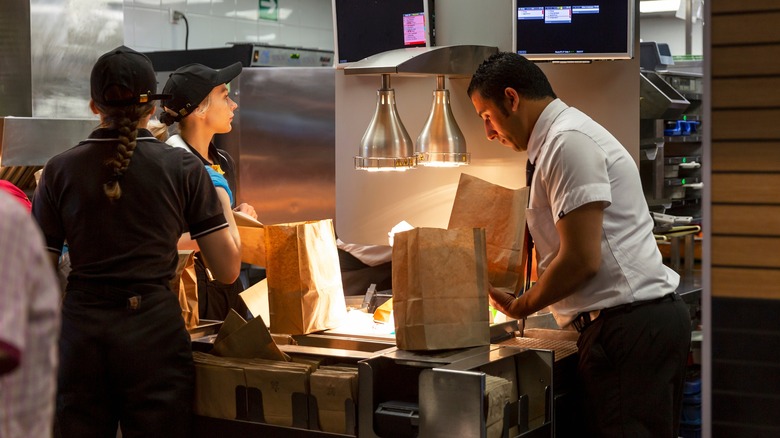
<point>529,174</point>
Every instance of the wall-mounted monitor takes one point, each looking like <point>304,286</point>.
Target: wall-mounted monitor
<point>366,27</point>
<point>573,30</point>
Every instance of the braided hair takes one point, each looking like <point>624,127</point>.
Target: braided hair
<point>125,119</point>
<point>169,116</point>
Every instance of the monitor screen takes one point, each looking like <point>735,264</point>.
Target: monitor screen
<point>366,27</point>
<point>561,30</point>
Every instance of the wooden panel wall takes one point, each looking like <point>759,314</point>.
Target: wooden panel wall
<point>745,217</point>
<point>745,131</point>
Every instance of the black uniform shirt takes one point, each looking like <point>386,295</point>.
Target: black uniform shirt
<point>165,192</point>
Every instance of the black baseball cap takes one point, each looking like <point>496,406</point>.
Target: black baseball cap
<point>130,71</point>
<point>189,85</point>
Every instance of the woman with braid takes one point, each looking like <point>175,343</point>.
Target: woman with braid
<point>121,199</point>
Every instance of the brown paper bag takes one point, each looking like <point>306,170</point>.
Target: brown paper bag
<point>252,239</point>
<point>277,385</point>
<point>440,285</point>
<point>251,340</point>
<point>185,284</point>
<point>217,388</point>
<point>305,293</point>
<point>498,393</point>
<point>501,212</point>
<point>334,389</point>
<point>255,299</point>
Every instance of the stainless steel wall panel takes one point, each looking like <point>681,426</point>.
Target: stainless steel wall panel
<point>67,37</point>
<point>47,49</point>
<point>283,141</point>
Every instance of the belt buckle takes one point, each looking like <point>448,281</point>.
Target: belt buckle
<point>134,302</point>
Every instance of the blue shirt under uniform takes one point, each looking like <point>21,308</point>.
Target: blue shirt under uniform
<point>220,181</point>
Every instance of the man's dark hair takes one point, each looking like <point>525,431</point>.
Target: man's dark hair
<point>507,69</point>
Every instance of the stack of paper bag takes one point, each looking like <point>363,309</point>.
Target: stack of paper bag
<point>498,393</point>
<point>252,389</point>
<point>220,389</point>
<point>335,390</point>
<point>281,384</point>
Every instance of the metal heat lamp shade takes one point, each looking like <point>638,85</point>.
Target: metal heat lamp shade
<point>386,145</point>
<point>441,142</point>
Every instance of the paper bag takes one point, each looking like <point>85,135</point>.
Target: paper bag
<point>278,387</point>
<point>335,389</point>
<point>246,339</point>
<point>501,212</point>
<point>185,284</point>
<point>305,293</point>
<point>252,239</point>
<point>255,299</point>
<point>498,393</point>
<point>440,285</point>
<point>220,391</point>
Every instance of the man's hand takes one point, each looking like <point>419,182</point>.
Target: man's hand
<point>502,301</point>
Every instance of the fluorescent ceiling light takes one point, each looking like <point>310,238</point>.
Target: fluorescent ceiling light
<point>650,6</point>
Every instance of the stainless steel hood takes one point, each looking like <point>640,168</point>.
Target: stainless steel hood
<point>47,49</point>
<point>30,141</point>
<point>658,99</point>
<point>454,61</point>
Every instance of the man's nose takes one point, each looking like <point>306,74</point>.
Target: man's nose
<point>490,132</point>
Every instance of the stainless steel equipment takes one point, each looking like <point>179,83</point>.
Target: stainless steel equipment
<point>249,55</point>
<point>442,394</point>
<point>47,49</point>
<point>26,143</point>
<point>283,141</point>
<point>67,37</point>
<point>658,101</point>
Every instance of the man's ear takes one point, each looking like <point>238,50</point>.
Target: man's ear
<point>512,98</point>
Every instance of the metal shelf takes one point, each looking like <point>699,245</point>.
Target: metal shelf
<point>693,138</point>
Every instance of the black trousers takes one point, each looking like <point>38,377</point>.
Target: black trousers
<point>631,370</point>
<point>124,366</point>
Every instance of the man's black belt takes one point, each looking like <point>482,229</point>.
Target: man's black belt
<point>585,319</point>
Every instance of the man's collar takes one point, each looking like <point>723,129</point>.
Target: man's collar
<point>542,127</point>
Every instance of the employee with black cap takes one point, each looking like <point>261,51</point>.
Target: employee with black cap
<point>121,199</point>
<point>200,102</point>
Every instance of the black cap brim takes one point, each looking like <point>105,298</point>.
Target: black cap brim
<point>227,74</point>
